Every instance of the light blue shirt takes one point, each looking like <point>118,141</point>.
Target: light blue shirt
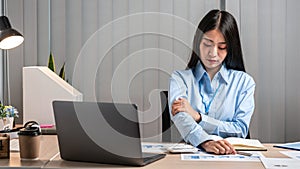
<point>231,109</point>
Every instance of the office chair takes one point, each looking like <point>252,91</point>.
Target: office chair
<point>169,131</point>
<point>248,135</point>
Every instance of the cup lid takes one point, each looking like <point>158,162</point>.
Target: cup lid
<point>31,128</point>
<point>33,131</point>
<point>29,132</point>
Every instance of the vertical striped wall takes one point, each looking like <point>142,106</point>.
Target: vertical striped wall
<point>124,50</point>
<point>269,32</point>
<point>118,50</point>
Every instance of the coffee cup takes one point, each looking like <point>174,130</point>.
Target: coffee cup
<point>29,142</point>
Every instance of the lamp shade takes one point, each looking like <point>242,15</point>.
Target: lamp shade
<point>9,38</point>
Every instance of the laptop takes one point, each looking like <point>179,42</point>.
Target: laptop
<point>100,132</point>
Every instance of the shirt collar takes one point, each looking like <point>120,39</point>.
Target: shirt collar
<point>224,73</point>
<point>199,71</point>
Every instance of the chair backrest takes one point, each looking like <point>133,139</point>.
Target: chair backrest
<point>248,135</point>
<point>166,120</point>
<point>169,131</point>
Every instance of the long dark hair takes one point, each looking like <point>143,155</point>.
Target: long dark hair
<point>225,22</point>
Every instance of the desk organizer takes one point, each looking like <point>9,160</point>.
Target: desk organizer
<point>4,146</point>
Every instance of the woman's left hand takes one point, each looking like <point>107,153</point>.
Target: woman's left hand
<point>218,147</point>
<point>182,105</point>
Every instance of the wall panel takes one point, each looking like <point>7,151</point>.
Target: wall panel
<point>119,50</point>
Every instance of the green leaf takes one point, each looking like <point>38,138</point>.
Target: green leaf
<point>62,72</point>
<point>51,63</point>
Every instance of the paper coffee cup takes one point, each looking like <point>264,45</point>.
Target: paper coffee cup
<point>29,142</point>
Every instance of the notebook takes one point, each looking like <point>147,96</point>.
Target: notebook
<point>100,132</point>
<point>241,144</point>
<point>292,146</point>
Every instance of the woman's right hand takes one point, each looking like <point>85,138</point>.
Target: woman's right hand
<point>182,105</point>
<point>218,147</point>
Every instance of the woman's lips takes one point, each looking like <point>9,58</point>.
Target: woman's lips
<point>212,61</point>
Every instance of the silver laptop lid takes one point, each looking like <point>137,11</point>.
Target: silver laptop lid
<point>98,132</point>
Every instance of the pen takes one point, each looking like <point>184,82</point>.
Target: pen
<point>244,153</point>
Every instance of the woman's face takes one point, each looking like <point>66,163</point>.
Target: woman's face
<point>213,50</point>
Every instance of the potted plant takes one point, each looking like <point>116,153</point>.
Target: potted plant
<point>51,66</point>
<point>7,115</point>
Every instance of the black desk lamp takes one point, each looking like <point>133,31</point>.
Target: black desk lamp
<point>9,37</point>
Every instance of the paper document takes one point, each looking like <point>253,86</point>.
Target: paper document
<point>14,145</point>
<point>277,163</point>
<point>292,146</point>
<point>292,154</point>
<point>182,148</point>
<point>241,144</point>
<point>168,148</point>
<point>149,147</point>
<point>202,156</point>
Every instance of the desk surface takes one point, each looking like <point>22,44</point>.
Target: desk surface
<point>174,161</point>
<point>49,158</point>
<point>49,148</point>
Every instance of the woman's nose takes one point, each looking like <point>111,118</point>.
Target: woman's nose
<point>214,51</point>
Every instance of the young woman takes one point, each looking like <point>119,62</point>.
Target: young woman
<point>214,97</point>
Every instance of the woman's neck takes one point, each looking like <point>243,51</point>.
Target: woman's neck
<point>211,75</point>
<point>212,72</point>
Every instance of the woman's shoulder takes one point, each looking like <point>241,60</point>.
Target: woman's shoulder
<point>240,75</point>
<point>183,74</point>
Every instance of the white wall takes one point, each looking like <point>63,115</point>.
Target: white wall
<point>120,50</point>
<point>269,32</point>
<point>130,43</point>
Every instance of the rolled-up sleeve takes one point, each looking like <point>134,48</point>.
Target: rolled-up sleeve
<point>188,128</point>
